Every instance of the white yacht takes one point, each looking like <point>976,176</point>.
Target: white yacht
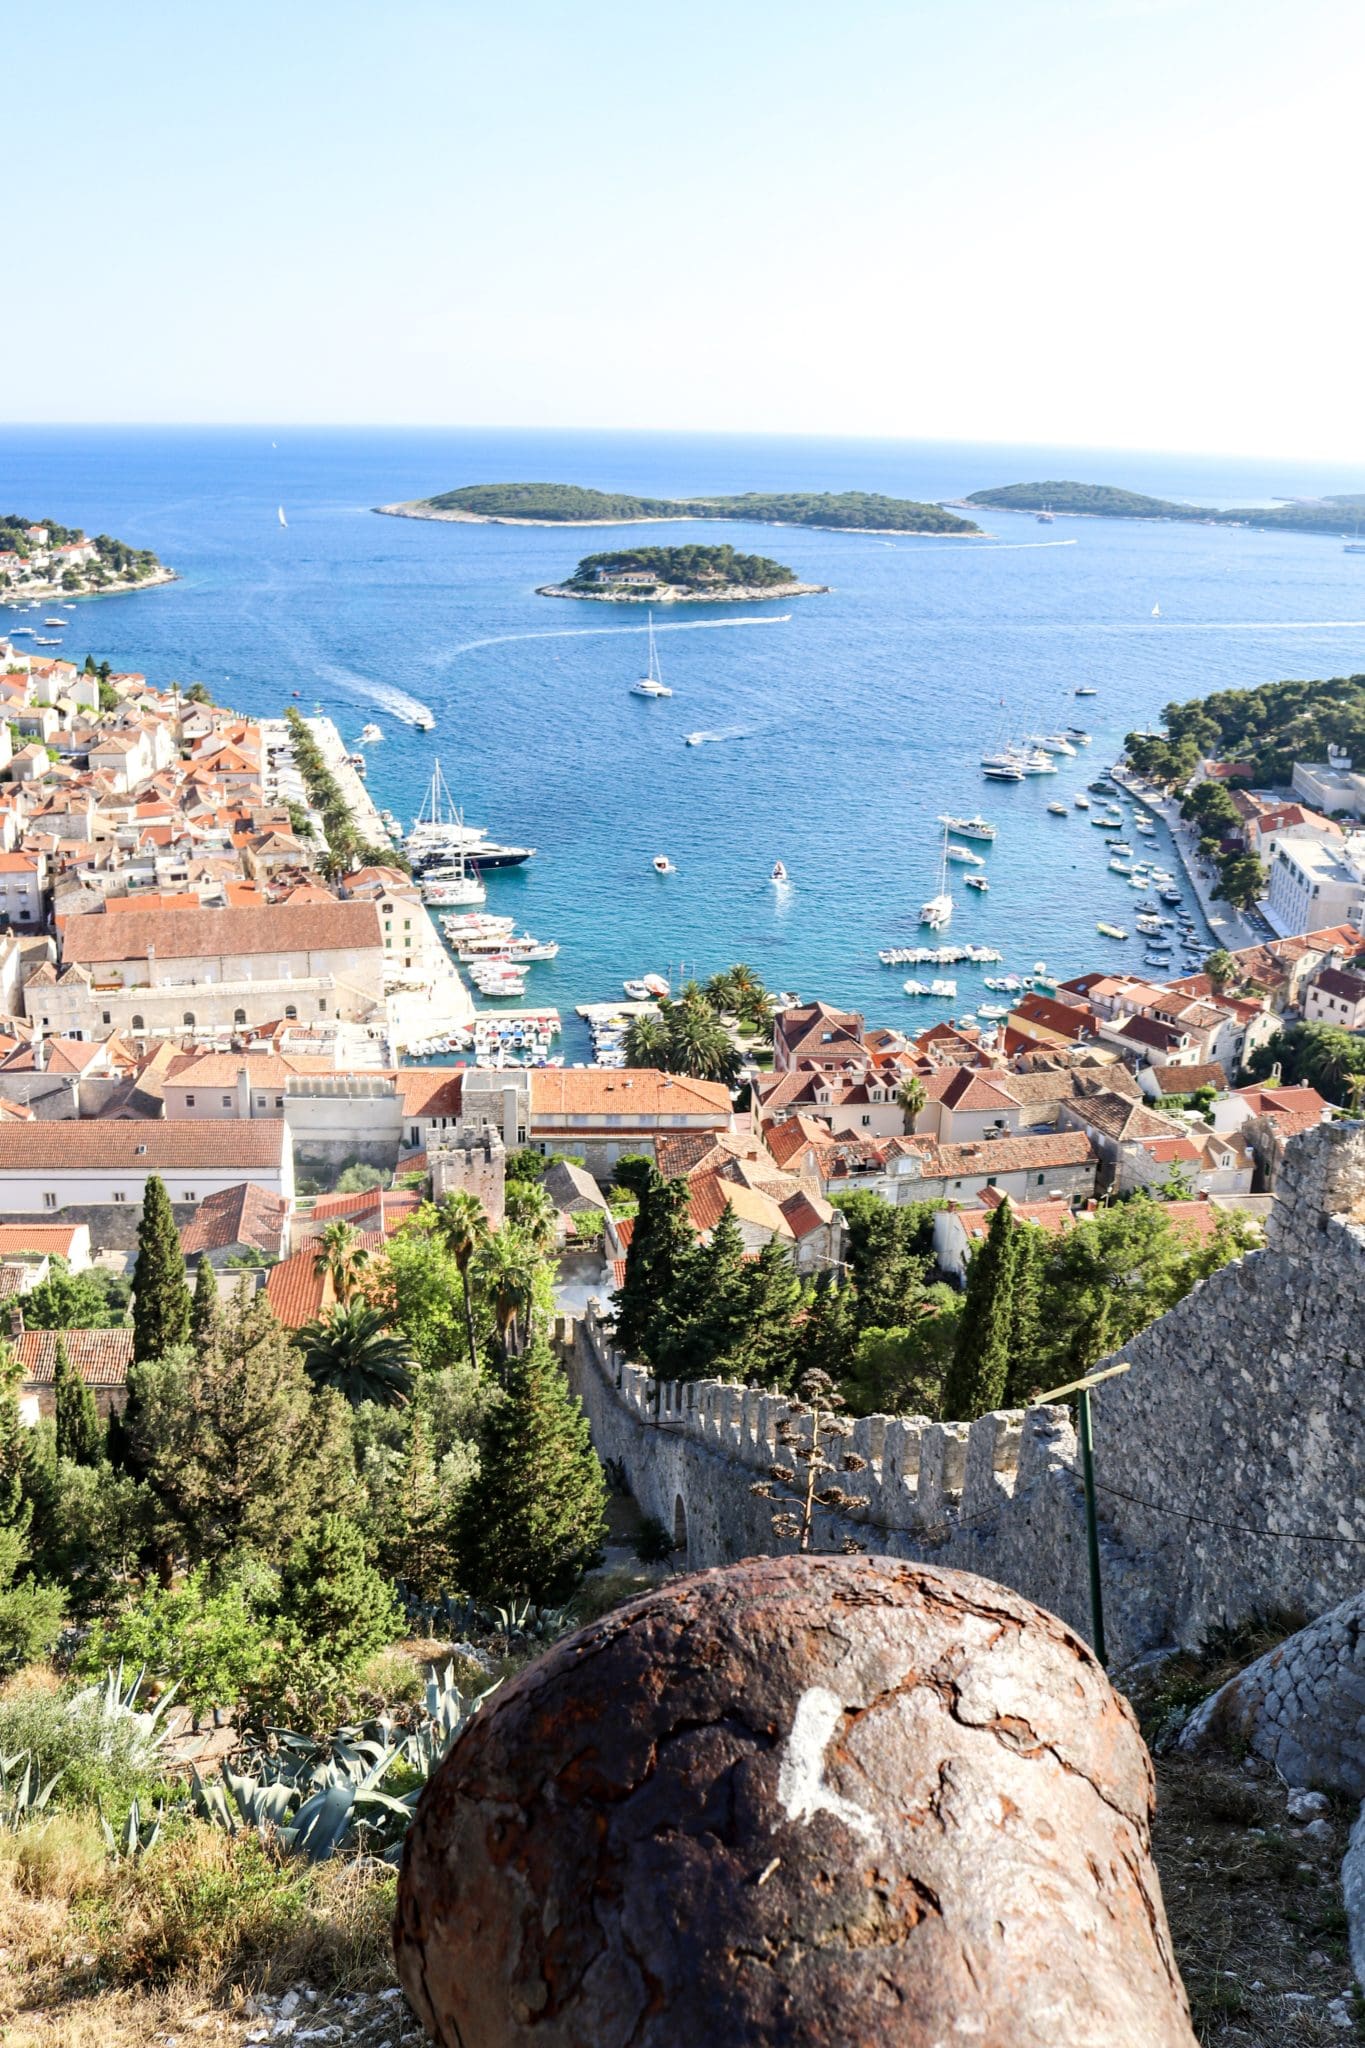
<point>779,873</point>
<point>651,683</point>
<point>938,911</point>
<point>1001,768</point>
<point>448,886</point>
<point>1051,742</point>
<point>370,736</point>
<point>968,828</point>
<point>662,865</point>
<point>1081,800</point>
<point>1036,761</point>
<point>440,834</point>
<point>965,857</point>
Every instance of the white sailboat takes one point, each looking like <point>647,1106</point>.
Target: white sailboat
<point>1156,611</point>
<point>280,512</point>
<point>651,683</point>
<point>938,911</point>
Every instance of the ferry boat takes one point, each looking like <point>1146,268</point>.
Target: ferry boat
<point>968,828</point>
<point>651,683</point>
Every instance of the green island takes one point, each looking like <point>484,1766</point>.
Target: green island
<point>680,576</point>
<point>42,558</point>
<point>1107,501</point>
<point>570,504</point>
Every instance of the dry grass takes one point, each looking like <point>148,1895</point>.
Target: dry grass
<point>1255,1908</point>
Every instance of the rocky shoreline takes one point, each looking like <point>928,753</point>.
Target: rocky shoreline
<point>672,593</point>
<point>117,586</point>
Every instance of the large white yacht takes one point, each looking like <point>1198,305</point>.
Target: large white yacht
<point>651,683</point>
<point>440,835</point>
<point>968,828</point>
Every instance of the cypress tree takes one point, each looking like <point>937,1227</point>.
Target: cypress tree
<point>975,1381</point>
<point>824,1339</point>
<point>161,1299</point>
<point>1032,1250</point>
<point>661,1244</point>
<point>204,1307</point>
<point>79,1436</point>
<point>534,1518</point>
<point>767,1353</point>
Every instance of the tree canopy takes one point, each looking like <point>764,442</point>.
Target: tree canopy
<point>687,568</point>
<point>864,510</point>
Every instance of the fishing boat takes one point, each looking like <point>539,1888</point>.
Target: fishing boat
<point>977,882</point>
<point>937,912</point>
<point>662,865</point>
<point>968,828</point>
<point>651,683</point>
<point>1110,931</point>
<point>779,873</point>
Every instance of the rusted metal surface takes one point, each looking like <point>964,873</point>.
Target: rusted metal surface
<point>815,1802</point>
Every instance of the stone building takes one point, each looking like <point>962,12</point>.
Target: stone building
<point>472,1161</point>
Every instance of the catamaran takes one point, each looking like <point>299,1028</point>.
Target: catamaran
<point>651,683</point>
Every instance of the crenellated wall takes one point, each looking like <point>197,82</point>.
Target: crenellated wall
<point>1231,1459</point>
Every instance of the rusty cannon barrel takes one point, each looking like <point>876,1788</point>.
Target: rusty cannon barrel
<point>818,1802</point>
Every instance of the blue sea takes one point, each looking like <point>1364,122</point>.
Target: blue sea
<point>847,727</point>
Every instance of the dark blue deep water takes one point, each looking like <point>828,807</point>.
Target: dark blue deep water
<point>848,728</point>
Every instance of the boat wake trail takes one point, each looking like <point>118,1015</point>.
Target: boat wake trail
<point>1236,626</point>
<point>598,632</point>
<point>398,704</point>
<point>729,732</point>
<point>1002,547</point>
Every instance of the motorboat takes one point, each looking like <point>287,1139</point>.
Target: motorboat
<point>1001,768</point>
<point>662,865</point>
<point>944,989</point>
<point>56,622</point>
<point>968,828</point>
<point>1085,690</point>
<point>636,991</point>
<point>779,873</point>
<point>651,683</point>
<point>1079,734</point>
<point>370,736</point>
<point>965,857</point>
<point>1110,931</point>
<point>977,882</point>
<point>1059,810</point>
<point>1051,742</point>
<point>1037,761</point>
<point>697,739</point>
<point>1081,800</point>
<point>656,985</point>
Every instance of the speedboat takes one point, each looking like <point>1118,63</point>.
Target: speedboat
<point>1059,810</point>
<point>370,736</point>
<point>779,873</point>
<point>1084,690</point>
<point>655,984</point>
<point>56,622</point>
<point>977,882</point>
<point>1110,931</point>
<point>1001,768</point>
<point>697,739</point>
<point>1081,800</point>
<point>636,991</point>
<point>965,856</point>
<point>662,865</point>
<point>1079,734</point>
<point>1052,743</point>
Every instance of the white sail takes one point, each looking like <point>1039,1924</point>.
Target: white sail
<point>280,510</point>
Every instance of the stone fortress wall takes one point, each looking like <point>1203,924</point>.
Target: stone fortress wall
<point>1230,1460</point>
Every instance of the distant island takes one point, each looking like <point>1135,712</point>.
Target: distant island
<point>571,505</point>
<point>691,575</point>
<point>1107,501</point>
<point>40,558</point>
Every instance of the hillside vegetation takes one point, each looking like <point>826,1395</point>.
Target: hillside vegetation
<point>116,558</point>
<point>855,510</point>
<point>690,568</point>
<point>1108,501</point>
<point>1268,728</point>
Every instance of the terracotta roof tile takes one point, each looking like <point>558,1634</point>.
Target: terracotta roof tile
<point>185,934</point>
<point>247,1215</point>
<point>141,1147</point>
<point>628,1092</point>
<point>101,1357</point>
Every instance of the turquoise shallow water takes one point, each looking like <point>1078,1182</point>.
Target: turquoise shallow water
<point>850,727</point>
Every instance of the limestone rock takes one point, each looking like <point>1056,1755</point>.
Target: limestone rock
<point>821,1802</point>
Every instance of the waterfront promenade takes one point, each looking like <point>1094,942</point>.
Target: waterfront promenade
<point>1230,928</point>
<point>428,999</point>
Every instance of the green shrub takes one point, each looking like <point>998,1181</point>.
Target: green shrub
<point>99,1756</point>
<point>652,1542</point>
<point>332,1598</point>
<point>211,1642</point>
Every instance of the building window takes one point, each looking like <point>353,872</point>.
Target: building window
<point>322,1004</point>
<point>137,1024</point>
<point>239,1016</point>
<point>279,1102</point>
<point>105,1017</point>
<point>291,1013</point>
<point>227,1102</point>
<point>189,1102</point>
<point>1040,1180</point>
<point>867,1119</point>
<point>991,1182</point>
<point>188,1020</point>
<point>189,1196</point>
<point>119,1196</point>
<point>49,1201</point>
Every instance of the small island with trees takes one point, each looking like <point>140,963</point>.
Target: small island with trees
<point>1107,501</point>
<point>690,575</point>
<point>525,504</point>
<point>40,558</point>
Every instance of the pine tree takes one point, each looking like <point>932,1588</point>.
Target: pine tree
<point>161,1299</point>
<point>333,1596</point>
<point>767,1353</point>
<point>14,1445</point>
<point>1032,1251</point>
<point>662,1242</point>
<point>534,1518</point>
<point>205,1307</point>
<point>79,1435</point>
<point>825,1336</point>
<point>976,1378</point>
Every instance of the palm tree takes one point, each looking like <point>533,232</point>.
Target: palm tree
<point>506,1270</point>
<point>912,1096</point>
<point>750,996</point>
<point>463,1229</point>
<point>722,994</point>
<point>352,1349</point>
<point>532,1212</point>
<point>339,1254</point>
<point>699,1045</point>
<point>646,1041</point>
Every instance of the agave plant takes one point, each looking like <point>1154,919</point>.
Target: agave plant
<point>21,1797</point>
<point>133,1838</point>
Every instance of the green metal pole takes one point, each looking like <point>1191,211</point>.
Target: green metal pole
<point>1092,1527</point>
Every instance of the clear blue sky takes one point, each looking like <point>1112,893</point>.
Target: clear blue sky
<point>1106,222</point>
